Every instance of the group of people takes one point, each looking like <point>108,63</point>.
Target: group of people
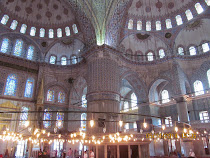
<point>178,154</point>
<point>91,154</point>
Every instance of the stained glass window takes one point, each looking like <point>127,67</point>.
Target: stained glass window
<point>11,85</point>
<point>84,101</point>
<point>198,88</point>
<point>179,20</point>
<point>181,51</point>
<point>52,59</point>
<point>168,24</point>
<point>4,19</point>
<point>67,30</point>
<point>63,61</point>
<point>165,96</point>
<point>5,45</point>
<point>158,25</point>
<point>130,24</point>
<point>18,48</point>
<point>23,28</point>
<point>199,8</point>
<point>161,53</point>
<point>150,56</point>
<point>60,120</point>
<point>208,76</point>
<point>30,52</point>
<point>168,121</point>
<point>50,95</point>
<point>192,50</point>
<point>204,116</point>
<point>134,101</point>
<point>42,32</point>
<point>74,26</point>
<point>83,121</point>
<point>148,26</point>
<point>47,117</point>
<point>33,31</point>
<point>74,59</point>
<point>59,32</point>
<point>51,33</point>
<point>189,14</point>
<point>29,88</point>
<point>61,97</point>
<point>207,2</point>
<point>23,116</point>
<point>13,25</point>
<point>139,25</point>
<point>205,47</point>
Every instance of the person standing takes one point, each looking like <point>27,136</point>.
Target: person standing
<point>191,154</point>
<point>85,155</point>
<point>70,153</point>
<point>6,155</point>
<point>92,155</point>
<point>26,154</point>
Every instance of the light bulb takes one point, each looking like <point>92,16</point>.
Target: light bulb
<point>176,129</point>
<point>145,125</point>
<point>27,123</point>
<point>185,130</point>
<point>91,123</point>
<point>204,132</point>
<point>48,134</point>
<point>163,127</point>
<point>59,123</point>
<point>121,123</point>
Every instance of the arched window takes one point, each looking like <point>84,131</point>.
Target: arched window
<point>47,117</point>
<point>204,116</point>
<point>84,101</point>
<point>199,8</point>
<point>188,14</point>
<point>198,88</point>
<point>127,126</point>
<point>50,95</point>
<point>150,56</point>
<point>59,120</point>
<point>139,25</point>
<point>61,97</point>
<point>205,47</point>
<point>134,101</point>
<point>161,53</point>
<point>42,32</point>
<point>74,26</point>
<point>158,25</point>
<point>11,85</point>
<point>130,24</point>
<point>192,50</point>
<point>181,51</point>
<point>29,88</point>
<point>52,59</point>
<point>74,59</point>
<point>165,96</point>
<point>148,26</point>
<point>208,76</point>
<point>51,33</point>
<point>23,116</point>
<point>63,61</point>
<point>18,47</point>
<point>59,32</point>
<point>67,30</point>
<point>179,20</point>
<point>83,121</point>
<point>30,52</point>
<point>5,45</point>
<point>168,24</point>
<point>33,31</point>
<point>13,25</point>
<point>126,106</point>
<point>207,2</point>
<point>134,125</point>
<point>4,19</point>
<point>23,28</point>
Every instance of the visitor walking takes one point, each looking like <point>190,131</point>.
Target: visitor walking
<point>85,155</point>
<point>6,155</point>
<point>191,154</point>
<point>70,153</point>
<point>92,154</point>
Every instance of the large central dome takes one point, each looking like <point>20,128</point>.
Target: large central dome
<point>43,13</point>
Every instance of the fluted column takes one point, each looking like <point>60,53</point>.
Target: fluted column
<point>103,89</point>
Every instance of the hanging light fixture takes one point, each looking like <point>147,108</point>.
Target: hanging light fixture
<point>120,123</point>
<point>144,124</point>
<point>163,127</point>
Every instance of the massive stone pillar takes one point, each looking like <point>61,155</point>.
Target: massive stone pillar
<point>103,90</point>
<point>182,109</point>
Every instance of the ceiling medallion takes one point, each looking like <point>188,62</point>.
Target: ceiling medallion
<point>138,4</point>
<point>67,41</point>
<point>171,5</point>
<point>159,5</point>
<point>168,35</point>
<point>142,36</point>
<point>148,9</point>
<point>17,8</point>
